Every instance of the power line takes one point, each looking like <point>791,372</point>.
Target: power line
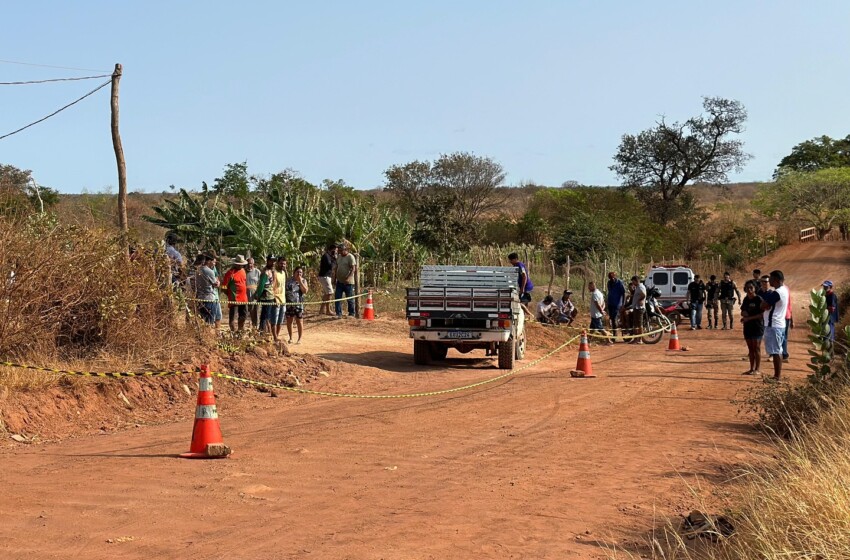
<point>51,66</point>
<point>54,80</point>
<point>101,86</point>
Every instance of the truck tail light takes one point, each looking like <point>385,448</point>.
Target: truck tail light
<point>415,322</point>
<point>504,323</point>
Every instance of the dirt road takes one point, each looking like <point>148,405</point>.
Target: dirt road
<point>535,466</point>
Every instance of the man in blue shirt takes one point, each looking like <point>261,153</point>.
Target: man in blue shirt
<point>616,297</point>
<point>525,284</point>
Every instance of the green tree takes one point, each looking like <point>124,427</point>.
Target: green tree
<point>408,183</point>
<point>438,225</point>
<point>819,198</point>
<point>818,153</point>
<point>658,163</point>
<point>19,192</point>
<point>234,182</point>
<point>475,180</point>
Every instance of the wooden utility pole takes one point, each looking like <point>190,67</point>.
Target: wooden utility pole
<point>119,156</point>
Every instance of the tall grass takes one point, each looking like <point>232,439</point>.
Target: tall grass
<point>70,294</point>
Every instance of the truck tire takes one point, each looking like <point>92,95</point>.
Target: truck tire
<point>520,347</point>
<point>507,352</point>
<point>439,351</point>
<point>421,352</point>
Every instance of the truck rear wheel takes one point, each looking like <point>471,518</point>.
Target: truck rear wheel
<point>439,351</point>
<point>421,352</point>
<point>507,351</point>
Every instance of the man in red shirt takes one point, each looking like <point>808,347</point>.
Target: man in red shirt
<point>235,286</point>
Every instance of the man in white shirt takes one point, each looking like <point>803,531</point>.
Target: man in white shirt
<point>597,309</point>
<point>775,306</point>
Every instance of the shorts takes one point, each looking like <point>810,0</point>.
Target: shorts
<point>327,286</point>
<point>295,311</point>
<point>773,339</point>
<point>272,314</point>
<point>596,324</point>
<point>210,311</point>
<point>525,297</point>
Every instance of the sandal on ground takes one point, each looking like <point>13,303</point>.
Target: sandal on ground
<point>751,372</point>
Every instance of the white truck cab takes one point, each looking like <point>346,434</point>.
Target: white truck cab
<point>671,281</point>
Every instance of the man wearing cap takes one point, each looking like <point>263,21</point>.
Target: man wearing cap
<point>616,297</point>
<point>832,307</point>
<point>345,273</point>
<point>566,308</point>
<point>235,286</point>
<point>265,296</point>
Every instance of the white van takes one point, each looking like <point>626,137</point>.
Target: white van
<point>671,281</point>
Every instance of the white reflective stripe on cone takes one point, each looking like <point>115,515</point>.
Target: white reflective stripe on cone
<point>206,412</point>
<point>205,384</point>
<point>584,354</point>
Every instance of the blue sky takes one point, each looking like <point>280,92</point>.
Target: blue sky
<point>343,90</point>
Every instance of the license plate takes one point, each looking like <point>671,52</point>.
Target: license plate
<point>459,334</point>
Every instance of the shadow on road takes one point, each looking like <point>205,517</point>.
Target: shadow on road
<point>402,362</point>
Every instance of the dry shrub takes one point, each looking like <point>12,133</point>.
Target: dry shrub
<point>70,293</point>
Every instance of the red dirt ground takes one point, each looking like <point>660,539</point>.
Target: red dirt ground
<point>535,466</point>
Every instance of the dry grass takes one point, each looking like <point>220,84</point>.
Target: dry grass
<point>70,296</point>
<point>798,506</point>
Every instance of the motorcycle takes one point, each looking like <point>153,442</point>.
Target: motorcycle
<point>674,311</point>
<point>654,321</point>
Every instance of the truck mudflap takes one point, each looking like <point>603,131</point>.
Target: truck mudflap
<point>455,336</point>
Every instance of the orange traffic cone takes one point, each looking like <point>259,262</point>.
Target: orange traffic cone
<point>583,366</point>
<point>207,441</point>
<point>369,310</point>
<point>674,339</point>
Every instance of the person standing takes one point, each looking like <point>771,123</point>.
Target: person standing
<point>774,307</point>
<point>326,268</point>
<point>597,310</point>
<point>616,299</point>
<point>763,286</point>
<point>757,278</point>
<point>524,283</point>
<point>265,296</point>
<point>728,292</point>
<point>296,288</point>
<point>252,278</point>
<point>712,306</point>
<point>345,273</point>
<point>175,259</point>
<point>789,324</point>
<point>206,288</point>
<point>279,294</point>
<point>752,319</point>
<point>638,308</point>
<point>235,287</point>
<point>696,297</point>
<point>831,306</point>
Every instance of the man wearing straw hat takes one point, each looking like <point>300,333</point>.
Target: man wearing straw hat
<point>235,285</point>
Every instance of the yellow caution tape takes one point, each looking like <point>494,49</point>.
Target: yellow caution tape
<point>114,374</point>
<point>401,396</point>
<point>272,303</point>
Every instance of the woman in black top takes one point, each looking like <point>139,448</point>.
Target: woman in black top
<point>753,320</point>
